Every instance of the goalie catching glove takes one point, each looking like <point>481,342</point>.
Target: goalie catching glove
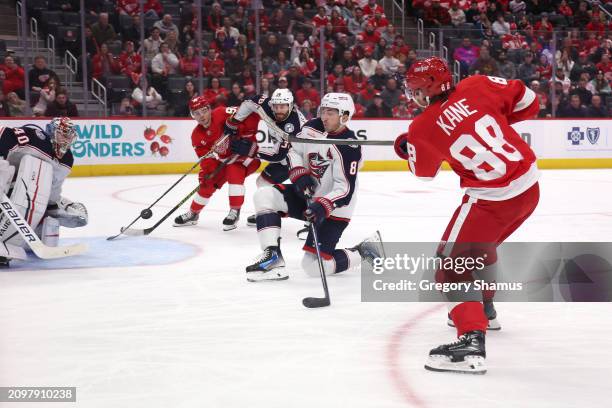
<point>69,214</point>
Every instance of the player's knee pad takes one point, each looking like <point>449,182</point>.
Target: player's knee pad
<point>310,265</point>
<point>269,199</point>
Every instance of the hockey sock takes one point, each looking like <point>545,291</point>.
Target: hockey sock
<point>268,229</point>
<point>469,316</point>
<point>346,259</point>
<point>236,196</point>
<point>198,203</point>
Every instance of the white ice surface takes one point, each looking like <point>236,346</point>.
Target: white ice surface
<point>194,333</point>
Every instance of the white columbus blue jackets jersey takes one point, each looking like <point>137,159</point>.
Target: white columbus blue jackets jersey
<point>334,167</point>
<point>292,125</point>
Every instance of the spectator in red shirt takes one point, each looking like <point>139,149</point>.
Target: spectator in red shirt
<point>338,22</point>
<point>370,36</point>
<point>436,16</point>
<point>367,95</point>
<point>215,18</point>
<point>355,82</point>
<point>15,77</point>
<point>564,9</point>
<point>213,66</point>
<point>379,21</point>
<point>400,46</point>
<point>130,62</point>
<point>338,72</point>
<point>189,63</point>
<point>320,19</point>
<point>216,93</point>
<point>153,6</point>
<point>305,63</point>
<point>104,63</point>
<point>371,8</point>
<point>127,7</point>
<point>544,68</point>
<point>596,25</point>
<point>543,28</point>
<point>308,93</point>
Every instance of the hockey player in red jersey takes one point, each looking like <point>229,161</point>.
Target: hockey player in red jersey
<point>468,126</point>
<point>206,134</point>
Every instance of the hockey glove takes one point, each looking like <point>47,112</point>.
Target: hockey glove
<point>243,147</point>
<point>69,214</point>
<point>318,210</point>
<point>401,146</point>
<point>231,127</point>
<point>302,180</point>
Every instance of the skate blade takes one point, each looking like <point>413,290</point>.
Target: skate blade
<point>493,324</point>
<point>187,224</point>
<point>229,227</point>
<point>471,365</point>
<point>251,224</point>
<point>261,276</point>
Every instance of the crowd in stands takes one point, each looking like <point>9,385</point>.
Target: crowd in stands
<point>525,39</point>
<point>363,53</point>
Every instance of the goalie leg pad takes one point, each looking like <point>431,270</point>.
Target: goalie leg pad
<point>48,231</point>
<point>69,214</point>
<point>30,196</point>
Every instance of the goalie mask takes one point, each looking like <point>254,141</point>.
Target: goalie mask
<point>281,103</point>
<point>62,133</point>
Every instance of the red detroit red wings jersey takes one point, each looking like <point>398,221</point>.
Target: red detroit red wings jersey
<point>202,139</point>
<point>471,131</point>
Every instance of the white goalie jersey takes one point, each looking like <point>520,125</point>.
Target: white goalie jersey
<point>334,167</point>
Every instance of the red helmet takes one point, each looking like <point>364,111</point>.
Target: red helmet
<point>430,75</point>
<point>198,103</point>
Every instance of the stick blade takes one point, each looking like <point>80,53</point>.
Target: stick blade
<point>134,232</point>
<point>46,252</point>
<point>314,302</point>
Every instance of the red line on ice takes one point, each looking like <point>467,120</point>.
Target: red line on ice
<point>394,350</point>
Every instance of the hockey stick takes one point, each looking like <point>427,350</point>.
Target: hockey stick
<point>29,236</point>
<point>147,213</point>
<point>140,232</point>
<point>295,139</point>
<point>313,302</point>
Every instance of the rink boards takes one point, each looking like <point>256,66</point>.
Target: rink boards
<point>163,145</point>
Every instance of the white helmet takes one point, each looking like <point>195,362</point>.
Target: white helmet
<point>342,102</point>
<point>282,97</point>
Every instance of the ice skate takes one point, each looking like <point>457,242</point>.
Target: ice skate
<point>370,248</point>
<point>187,219</point>
<point>252,221</point>
<point>466,355</point>
<point>231,220</point>
<point>269,266</point>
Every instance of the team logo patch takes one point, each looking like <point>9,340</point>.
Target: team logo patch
<point>318,165</point>
<point>593,135</point>
<point>575,136</point>
<point>289,127</point>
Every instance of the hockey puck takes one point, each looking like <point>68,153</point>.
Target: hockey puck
<point>146,213</point>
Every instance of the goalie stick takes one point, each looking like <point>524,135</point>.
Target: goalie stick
<point>148,209</point>
<point>294,139</point>
<point>134,232</point>
<point>29,236</point>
